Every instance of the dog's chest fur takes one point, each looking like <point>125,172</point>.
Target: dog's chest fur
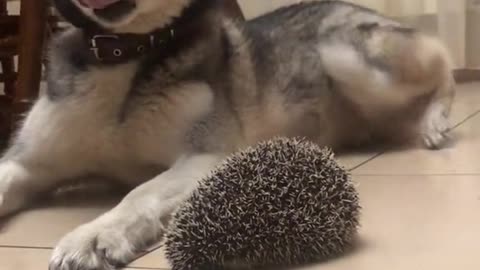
<point>139,114</point>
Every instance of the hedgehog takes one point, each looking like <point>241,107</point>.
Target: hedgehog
<point>284,202</point>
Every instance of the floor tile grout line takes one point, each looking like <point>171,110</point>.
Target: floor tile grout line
<point>469,117</point>
<point>25,247</point>
<point>148,252</point>
<point>49,248</point>
<point>365,162</point>
<point>473,115</point>
<point>417,174</point>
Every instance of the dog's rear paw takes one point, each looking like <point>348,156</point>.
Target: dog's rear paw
<point>92,247</point>
<point>436,128</point>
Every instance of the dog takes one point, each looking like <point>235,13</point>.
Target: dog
<point>155,94</point>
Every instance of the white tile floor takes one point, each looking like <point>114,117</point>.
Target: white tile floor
<point>421,209</point>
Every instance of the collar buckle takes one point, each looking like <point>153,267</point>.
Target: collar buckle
<point>94,43</point>
<point>156,40</point>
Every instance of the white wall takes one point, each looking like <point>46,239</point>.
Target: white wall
<point>253,8</point>
<point>454,21</point>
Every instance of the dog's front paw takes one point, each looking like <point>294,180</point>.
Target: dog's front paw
<point>92,247</point>
<point>435,127</point>
<point>13,195</point>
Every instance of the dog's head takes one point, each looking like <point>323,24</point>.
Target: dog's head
<point>122,16</point>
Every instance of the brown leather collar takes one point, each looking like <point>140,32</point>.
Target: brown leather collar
<point>107,48</point>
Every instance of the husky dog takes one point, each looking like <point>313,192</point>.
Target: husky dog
<point>155,93</point>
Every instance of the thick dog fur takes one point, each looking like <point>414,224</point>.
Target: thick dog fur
<point>333,72</point>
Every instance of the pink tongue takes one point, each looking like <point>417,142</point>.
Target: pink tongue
<point>98,4</point>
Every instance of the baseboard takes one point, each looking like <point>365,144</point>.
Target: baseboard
<point>465,75</point>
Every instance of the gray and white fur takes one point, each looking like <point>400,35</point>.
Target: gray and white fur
<point>335,73</point>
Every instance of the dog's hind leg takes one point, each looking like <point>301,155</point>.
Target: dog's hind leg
<point>435,125</point>
<point>391,68</point>
<point>116,238</point>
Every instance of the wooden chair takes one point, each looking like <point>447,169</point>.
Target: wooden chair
<point>20,35</point>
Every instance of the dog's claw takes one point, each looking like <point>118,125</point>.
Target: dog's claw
<point>436,128</point>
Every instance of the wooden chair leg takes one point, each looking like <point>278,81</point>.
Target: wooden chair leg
<point>8,70</point>
<point>3,6</point>
<point>33,21</point>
